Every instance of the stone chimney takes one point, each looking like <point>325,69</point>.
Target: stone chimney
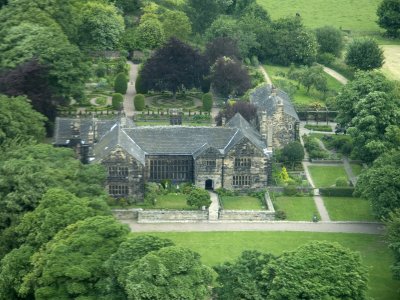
<point>223,121</point>
<point>90,140</point>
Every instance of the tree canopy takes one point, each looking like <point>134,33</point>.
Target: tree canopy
<point>174,66</point>
<point>389,16</point>
<point>330,40</point>
<point>364,54</point>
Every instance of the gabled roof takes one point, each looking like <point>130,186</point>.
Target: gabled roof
<point>262,97</point>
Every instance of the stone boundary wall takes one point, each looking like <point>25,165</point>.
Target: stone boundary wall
<point>158,216</point>
<point>280,189</point>
<point>326,161</point>
<point>126,214</point>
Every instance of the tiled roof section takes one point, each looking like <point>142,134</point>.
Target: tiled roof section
<point>246,130</point>
<point>117,137</point>
<point>181,140</point>
<point>64,132</point>
<point>261,97</point>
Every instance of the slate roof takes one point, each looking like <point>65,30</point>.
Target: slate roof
<point>262,98</point>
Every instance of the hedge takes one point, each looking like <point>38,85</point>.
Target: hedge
<point>207,102</point>
<point>139,86</point>
<point>120,84</point>
<point>139,102</point>
<point>337,191</point>
<point>318,127</point>
<point>117,100</point>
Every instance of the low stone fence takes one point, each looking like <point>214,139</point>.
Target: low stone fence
<point>326,161</point>
<point>281,189</point>
<point>127,214</point>
<point>155,216</point>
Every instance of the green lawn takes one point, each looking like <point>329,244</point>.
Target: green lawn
<point>241,203</point>
<point>301,97</point>
<point>169,201</point>
<point>296,208</point>
<point>348,209</point>
<point>217,247</point>
<point>325,176</point>
<point>357,168</point>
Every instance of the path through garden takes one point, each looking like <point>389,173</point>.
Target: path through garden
<point>131,92</point>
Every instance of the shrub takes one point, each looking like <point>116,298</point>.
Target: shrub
<point>337,191</point>
<point>224,192</point>
<point>280,215</point>
<point>117,100</point>
<point>254,61</point>
<point>341,182</point>
<point>152,190</point>
<point>139,85</point>
<point>101,70</point>
<point>290,190</point>
<point>318,127</point>
<point>139,102</point>
<point>207,102</point>
<point>326,59</point>
<point>313,148</point>
<point>120,83</point>
<point>198,198</point>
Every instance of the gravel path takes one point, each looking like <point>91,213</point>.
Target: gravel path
<point>214,207</point>
<point>336,75</point>
<point>345,227</point>
<point>353,178</point>
<point>131,92</point>
<point>266,76</point>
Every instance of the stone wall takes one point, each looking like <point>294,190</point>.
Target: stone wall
<point>247,215</point>
<point>205,170</point>
<point>155,216</point>
<point>126,214</point>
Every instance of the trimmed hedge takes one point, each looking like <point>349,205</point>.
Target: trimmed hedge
<point>318,127</point>
<point>117,100</point>
<point>121,84</point>
<point>337,191</point>
<point>140,89</point>
<point>139,102</point>
<point>207,102</point>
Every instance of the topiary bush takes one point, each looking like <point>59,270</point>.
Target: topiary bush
<point>139,102</point>
<point>198,198</point>
<point>140,88</point>
<point>117,100</point>
<point>341,182</point>
<point>120,84</point>
<point>207,102</point>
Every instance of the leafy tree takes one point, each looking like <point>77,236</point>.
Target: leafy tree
<point>170,273</point>
<point>117,101</point>
<point>101,26</point>
<point>139,102</point>
<point>313,77</point>
<point>293,152</point>
<point>202,13</point>
<point>19,120</point>
<point>198,198</point>
<point>246,109</point>
<point>139,85</point>
<point>71,265</point>
<point>283,175</point>
<point>393,238</point>
<point>176,24</point>
<point>150,34</point>
<point>380,184</point>
<point>173,66</point>
<point>120,83</point>
<point>243,278</point>
<point>220,47</point>
<point>128,6</point>
<point>207,101</point>
<point>330,40</point>
<point>129,251</point>
<point>229,77</point>
<point>389,16</point>
<point>364,54</point>
<point>373,115</point>
<point>318,270</point>
<point>357,89</point>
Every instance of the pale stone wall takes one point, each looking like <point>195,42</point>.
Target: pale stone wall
<point>152,216</point>
<point>126,214</point>
<point>246,215</point>
<point>258,169</point>
<point>203,172</point>
<point>135,178</point>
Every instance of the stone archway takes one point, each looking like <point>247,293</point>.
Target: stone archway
<point>209,184</point>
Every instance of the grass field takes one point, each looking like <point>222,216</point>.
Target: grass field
<point>391,68</point>
<point>217,247</point>
<point>357,168</point>
<point>301,97</point>
<point>241,203</point>
<point>348,209</point>
<point>325,176</point>
<point>296,208</point>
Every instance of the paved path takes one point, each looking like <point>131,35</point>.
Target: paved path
<point>345,227</point>
<point>214,207</point>
<point>131,92</point>
<point>336,75</point>
<point>266,76</point>
<point>353,178</point>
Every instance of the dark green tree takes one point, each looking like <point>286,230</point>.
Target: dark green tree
<point>139,85</point>
<point>389,16</point>
<point>71,265</point>
<point>207,101</point>
<point>293,153</point>
<point>380,184</point>
<point>117,101</point>
<point>318,270</point>
<point>198,198</point>
<point>202,13</point>
<point>243,278</point>
<point>220,47</point>
<point>170,273</point>
<point>139,102</point>
<point>19,120</point>
<point>393,238</point>
<point>364,54</point>
<point>121,84</point>
<point>330,40</point>
<point>172,67</point>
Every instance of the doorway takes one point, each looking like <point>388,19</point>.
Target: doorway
<point>209,184</point>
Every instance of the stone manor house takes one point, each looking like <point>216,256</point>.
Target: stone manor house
<point>234,156</point>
